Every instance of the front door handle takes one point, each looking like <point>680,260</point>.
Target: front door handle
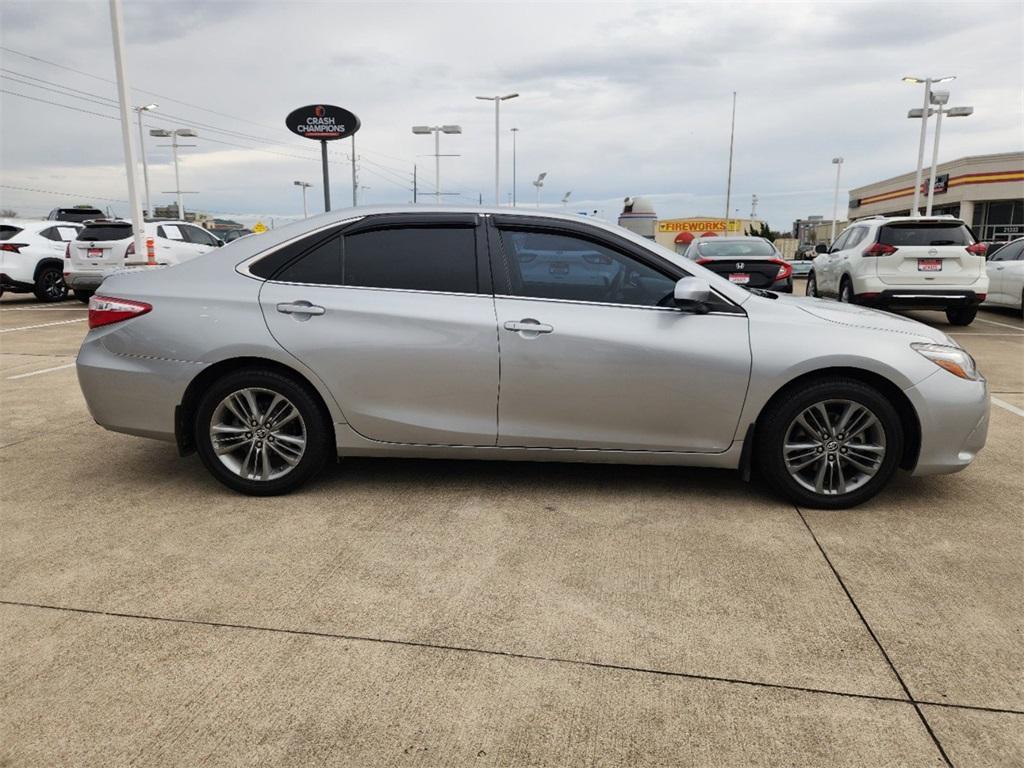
<point>528,326</point>
<point>300,308</point>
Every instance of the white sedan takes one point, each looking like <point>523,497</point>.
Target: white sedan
<point>1006,276</point>
<point>32,257</point>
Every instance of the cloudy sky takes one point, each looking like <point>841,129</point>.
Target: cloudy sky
<point>616,99</point>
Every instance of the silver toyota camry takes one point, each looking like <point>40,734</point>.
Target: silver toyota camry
<point>501,334</point>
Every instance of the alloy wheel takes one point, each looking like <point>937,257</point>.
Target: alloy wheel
<point>834,447</point>
<point>53,285</point>
<point>258,434</point>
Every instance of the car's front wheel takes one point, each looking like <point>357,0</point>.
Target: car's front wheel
<point>846,291</point>
<point>262,433</point>
<point>961,315</point>
<point>832,444</point>
<point>50,285</point>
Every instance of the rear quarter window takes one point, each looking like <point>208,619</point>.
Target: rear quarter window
<point>7,231</point>
<point>924,234</point>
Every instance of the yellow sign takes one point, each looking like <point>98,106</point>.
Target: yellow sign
<point>259,228</point>
<point>696,225</point>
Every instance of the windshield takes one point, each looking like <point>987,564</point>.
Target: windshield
<point>752,247</point>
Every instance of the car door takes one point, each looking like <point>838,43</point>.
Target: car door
<point>171,246</point>
<point>1003,273</point>
<point>396,316</point>
<point>830,283</point>
<point>590,360</point>
<point>848,257</point>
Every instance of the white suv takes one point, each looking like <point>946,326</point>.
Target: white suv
<point>31,257</point>
<point>903,262</point>
<point>104,247</point>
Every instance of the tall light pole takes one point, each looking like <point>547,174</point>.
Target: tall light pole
<point>515,132</point>
<point>142,152</point>
<point>838,162</point>
<point>927,82</point>
<point>538,184</point>
<point>497,140</point>
<point>565,198</point>
<point>939,99</point>
<point>437,130</point>
<point>174,135</point>
<point>728,182</point>
<point>123,94</point>
<point>305,185</point>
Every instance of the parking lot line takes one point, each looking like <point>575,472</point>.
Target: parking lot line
<point>1008,406</point>
<point>42,325</point>
<point>44,370</point>
<point>45,309</point>
<point>993,322</point>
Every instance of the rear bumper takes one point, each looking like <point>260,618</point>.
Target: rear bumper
<point>134,395</point>
<point>913,298</point>
<point>80,281</point>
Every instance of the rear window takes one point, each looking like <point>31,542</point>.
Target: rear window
<point>736,248</point>
<point>7,231</point>
<point>925,234</point>
<point>77,214</point>
<point>94,232</point>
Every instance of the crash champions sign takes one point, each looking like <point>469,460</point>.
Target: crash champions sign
<point>322,122</point>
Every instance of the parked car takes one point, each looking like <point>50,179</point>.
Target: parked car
<point>905,262</point>
<point>229,235</point>
<point>32,257</point>
<point>750,261</point>
<point>406,331</point>
<point>78,213</point>
<point>1005,270</point>
<point>801,267</point>
<point>104,247</point>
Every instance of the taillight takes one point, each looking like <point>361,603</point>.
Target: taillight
<point>702,260</point>
<point>12,247</point>
<point>104,310</point>
<point>785,269</point>
<point>67,251</point>
<point>978,249</point>
<point>880,249</point>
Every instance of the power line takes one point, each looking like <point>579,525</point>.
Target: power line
<point>57,104</point>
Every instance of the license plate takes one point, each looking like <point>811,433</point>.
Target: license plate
<point>95,253</point>
<point>929,265</point>
<point>559,268</point>
<point>739,277</point>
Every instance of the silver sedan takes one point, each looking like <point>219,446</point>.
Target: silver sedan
<point>499,334</point>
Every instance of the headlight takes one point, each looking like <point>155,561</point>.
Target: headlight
<point>953,359</point>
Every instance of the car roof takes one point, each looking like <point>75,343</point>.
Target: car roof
<point>942,219</point>
<point>728,238</point>
<point>30,224</point>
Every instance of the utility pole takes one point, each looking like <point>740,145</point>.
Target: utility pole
<point>728,183</point>
<point>123,94</point>
<point>415,190</point>
<point>355,174</point>
<point>838,161</point>
<point>142,152</point>
<point>515,132</point>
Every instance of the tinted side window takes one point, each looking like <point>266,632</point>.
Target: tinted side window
<point>856,235</point>
<point>50,233</point>
<point>320,266</point>
<point>1011,252</point>
<point>7,231</point>
<point>412,258</point>
<point>840,242</point>
<point>547,265</point>
<point>924,234</point>
<point>198,236</point>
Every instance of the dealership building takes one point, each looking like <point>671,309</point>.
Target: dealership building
<point>986,191</point>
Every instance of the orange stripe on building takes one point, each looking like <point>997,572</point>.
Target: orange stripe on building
<point>956,181</point>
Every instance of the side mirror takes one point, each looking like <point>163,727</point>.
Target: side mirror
<point>692,294</point>
<point>219,242</point>
<point>821,248</point>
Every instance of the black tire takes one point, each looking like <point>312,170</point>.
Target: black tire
<point>812,286</point>
<point>315,420</point>
<point>775,423</point>
<point>83,296</point>
<point>50,285</point>
<point>961,315</point>
<point>846,291</point>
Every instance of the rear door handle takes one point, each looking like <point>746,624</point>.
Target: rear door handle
<point>528,325</point>
<point>300,308</point>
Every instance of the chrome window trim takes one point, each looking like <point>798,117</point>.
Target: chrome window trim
<point>242,267</point>
<point>741,313</point>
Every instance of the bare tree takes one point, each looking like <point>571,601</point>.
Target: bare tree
<point>7,213</point>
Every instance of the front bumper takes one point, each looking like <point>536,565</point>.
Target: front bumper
<point>954,416</point>
<point>135,395</point>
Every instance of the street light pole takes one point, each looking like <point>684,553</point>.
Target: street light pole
<point>497,141</point>
<point>515,132</point>
<point>437,130</point>
<point>174,150</point>
<point>142,152</point>
<point>305,185</point>
<point>728,183</point>
<point>927,82</point>
<point>838,161</point>
<point>123,94</point>
<point>939,99</point>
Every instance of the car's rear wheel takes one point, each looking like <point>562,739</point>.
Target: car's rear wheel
<point>846,291</point>
<point>812,286</point>
<point>832,444</point>
<point>50,285</point>
<point>83,296</point>
<point>261,433</point>
<point>961,315</point>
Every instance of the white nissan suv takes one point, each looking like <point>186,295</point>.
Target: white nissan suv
<point>904,262</point>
